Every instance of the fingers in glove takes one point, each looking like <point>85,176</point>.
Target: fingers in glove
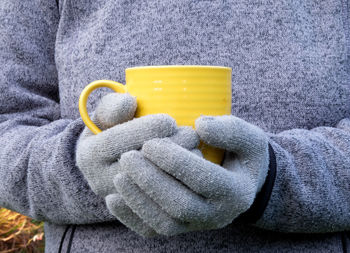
<point>231,133</point>
<point>170,194</point>
<point>197,152</point>
<point>114,108</point>
<point>203,177</point>
<point>186,137</point>
<point>146,208</point>
<point>116,205</point>
<point>102,184</point>
<point>110,144</point>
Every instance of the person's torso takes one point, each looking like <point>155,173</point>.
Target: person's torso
<point>289,61</point>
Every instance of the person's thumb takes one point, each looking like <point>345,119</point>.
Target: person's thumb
<point>114,108</point>
<point>231,133</point>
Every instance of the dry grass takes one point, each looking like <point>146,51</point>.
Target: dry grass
<point>19,233</point>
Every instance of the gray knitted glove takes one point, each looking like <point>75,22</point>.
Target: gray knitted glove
<point>174,191</point>
<point>187,138</point>
<point>97,155</point>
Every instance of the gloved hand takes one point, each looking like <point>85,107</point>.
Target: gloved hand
<point>174,191</point>
<point>97,155</point>
<point>185,137</point>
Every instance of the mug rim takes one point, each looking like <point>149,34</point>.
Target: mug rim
<point>180,66</point>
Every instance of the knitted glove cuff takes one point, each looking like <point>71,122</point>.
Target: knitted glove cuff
<point>259,205</point>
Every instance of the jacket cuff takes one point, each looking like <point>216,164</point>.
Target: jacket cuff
<point>259,205</point>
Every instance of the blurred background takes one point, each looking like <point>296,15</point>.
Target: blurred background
<point>19,233</point>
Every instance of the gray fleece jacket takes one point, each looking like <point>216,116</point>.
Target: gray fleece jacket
<point>291,77</point>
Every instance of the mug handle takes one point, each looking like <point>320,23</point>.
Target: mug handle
<point>117,87</point>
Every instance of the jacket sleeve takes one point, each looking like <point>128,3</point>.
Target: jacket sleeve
<point>311,190</point>
<point>37,164</point>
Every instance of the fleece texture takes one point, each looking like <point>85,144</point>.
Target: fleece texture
<point>290,62</point>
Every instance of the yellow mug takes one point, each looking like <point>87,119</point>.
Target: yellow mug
<point>183,92</point>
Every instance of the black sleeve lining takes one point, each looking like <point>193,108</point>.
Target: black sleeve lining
<point>257,209</point>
